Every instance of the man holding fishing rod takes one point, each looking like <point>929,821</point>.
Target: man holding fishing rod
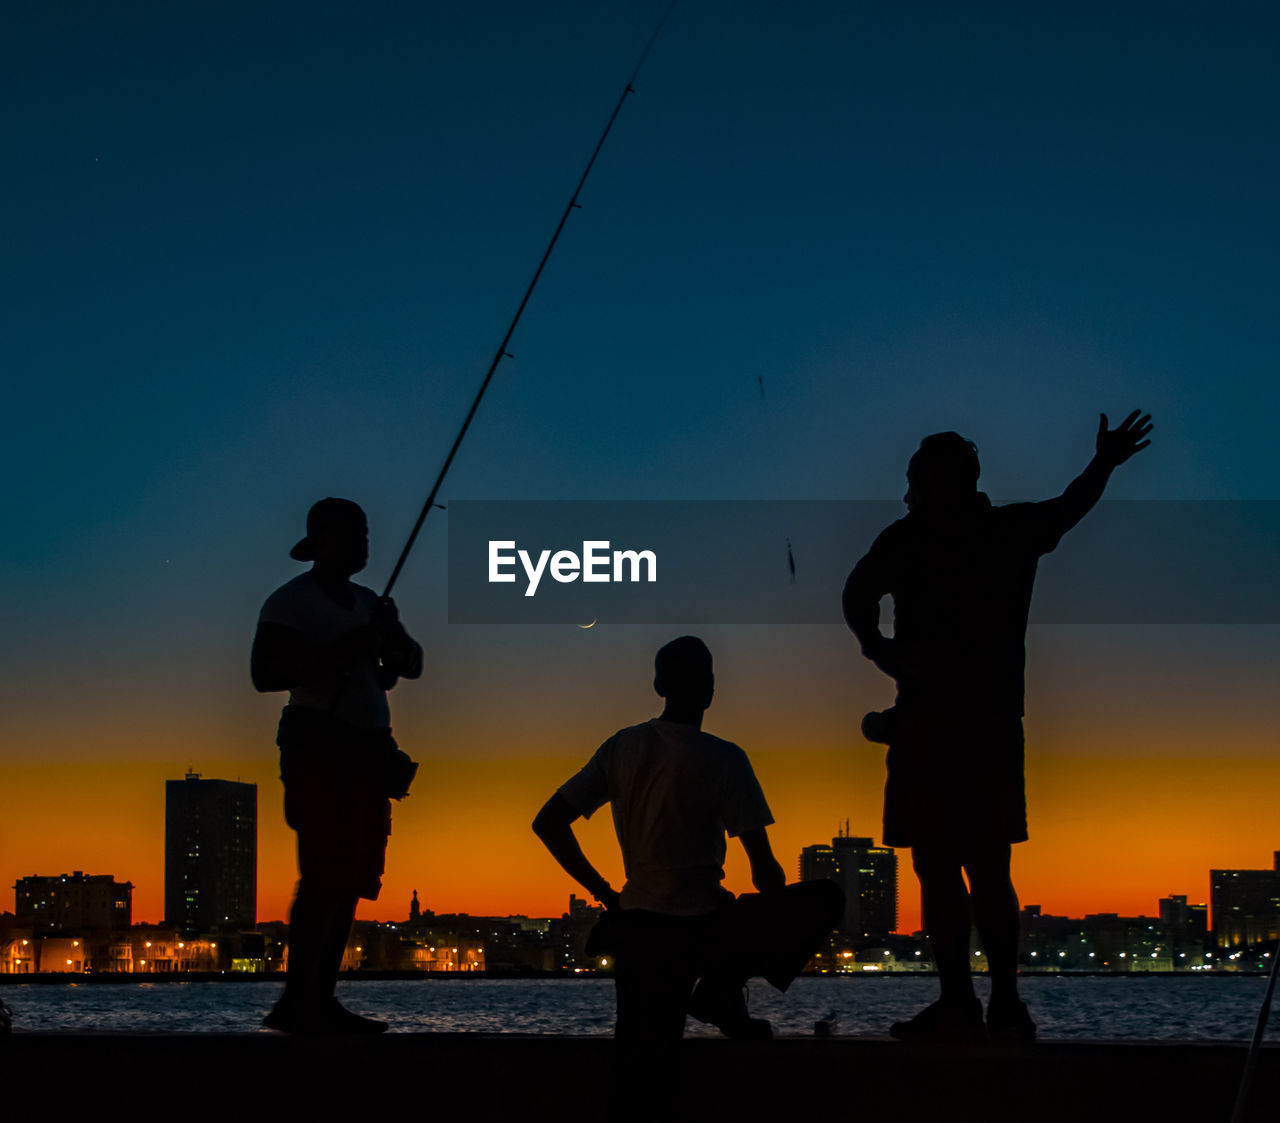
<point>960,572</point>
<point>337,647</point>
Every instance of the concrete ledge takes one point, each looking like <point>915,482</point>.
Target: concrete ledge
<point>531,1079</point>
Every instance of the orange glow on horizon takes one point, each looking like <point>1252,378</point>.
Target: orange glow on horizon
<point>1107,834</point>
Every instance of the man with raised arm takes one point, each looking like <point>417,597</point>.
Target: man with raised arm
<point>337,648</point>
<point>960,573</point>
<point>682,943</point>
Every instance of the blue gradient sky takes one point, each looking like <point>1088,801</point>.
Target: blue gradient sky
<point>257,254</point>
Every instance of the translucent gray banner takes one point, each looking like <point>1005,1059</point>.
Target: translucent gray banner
<point>687,563</point>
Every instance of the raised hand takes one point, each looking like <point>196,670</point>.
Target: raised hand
<point>1115,446</point>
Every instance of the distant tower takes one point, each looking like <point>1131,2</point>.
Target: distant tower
<point>415,909</point>
<point>1245,905</point>
<point>867,873</point>
<point>817,862</point>
<point>210,854</point>
<point>870,879</point>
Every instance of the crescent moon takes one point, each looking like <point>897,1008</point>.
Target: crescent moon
<point>591,625</point>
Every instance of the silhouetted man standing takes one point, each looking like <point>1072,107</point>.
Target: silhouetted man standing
<point>337,648</point>
<point>675,791</point>
<point>960,572</point>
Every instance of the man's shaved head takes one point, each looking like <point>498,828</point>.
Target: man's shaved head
<point>682,671</point>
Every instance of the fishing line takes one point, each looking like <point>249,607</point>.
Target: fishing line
<point>502,347</point>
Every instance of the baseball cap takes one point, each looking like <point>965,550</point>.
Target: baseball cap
<point>323,515</point>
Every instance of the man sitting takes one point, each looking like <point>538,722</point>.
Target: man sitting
<point>681,942</point>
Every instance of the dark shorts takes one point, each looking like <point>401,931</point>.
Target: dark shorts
<point>335,799</point>
<point>955,780</point>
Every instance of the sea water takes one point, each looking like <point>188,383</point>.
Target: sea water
<point>1178,1008</point>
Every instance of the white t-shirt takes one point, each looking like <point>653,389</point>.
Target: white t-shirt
<point>301,604</point>
<point>675,791</point>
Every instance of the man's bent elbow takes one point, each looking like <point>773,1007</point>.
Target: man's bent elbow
<point>849,605</point>
<point>861,609</point>
<point>546,820</point>
<point>264,682</point>
<point>556,817</point>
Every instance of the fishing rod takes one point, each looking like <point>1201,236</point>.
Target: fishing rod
<point>502,352</point>
<point>1251,1061</point>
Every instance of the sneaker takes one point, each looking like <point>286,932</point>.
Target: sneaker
<point>289,1017</point>
<point>726,1009</point>
<point>327,1020</point>
<point>339,1019</point>
<point>952,1023</point>
<point>1010,1021</point>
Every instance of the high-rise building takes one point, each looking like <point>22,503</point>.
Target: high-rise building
<point>74,902</point>
<point>817,862</point>
<point>210,854</point>
<point>868,874</point>
<point>1185,924</point>
<point>1245,905</point>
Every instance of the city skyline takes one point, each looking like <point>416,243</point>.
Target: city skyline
<point>1162,865</point>
<point>875,874</point>
<point>1177,939</point>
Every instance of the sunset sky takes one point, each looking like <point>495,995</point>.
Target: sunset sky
<point>259,254</point>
